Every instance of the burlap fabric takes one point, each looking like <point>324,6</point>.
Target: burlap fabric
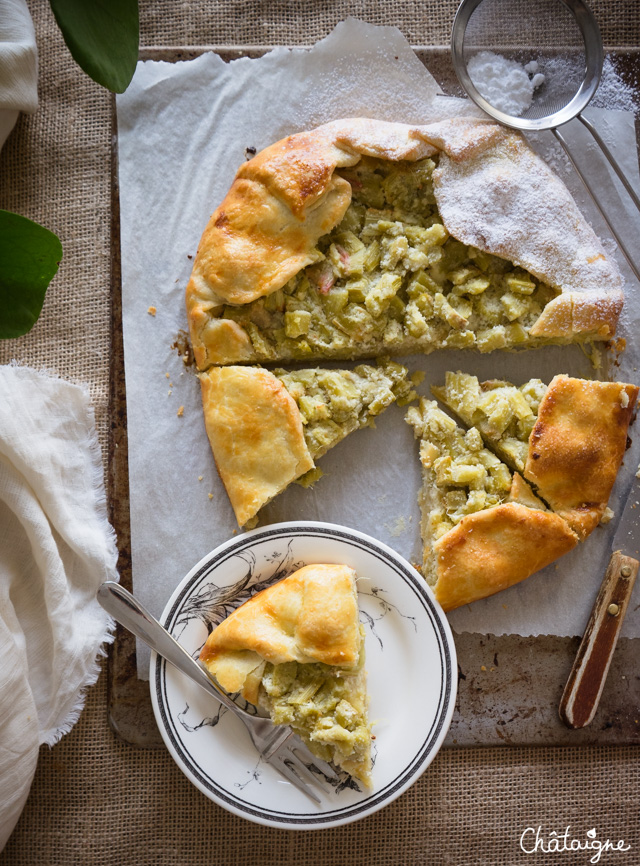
<point>97,800</point>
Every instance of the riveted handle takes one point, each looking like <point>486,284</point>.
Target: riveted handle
<point>591,666</point>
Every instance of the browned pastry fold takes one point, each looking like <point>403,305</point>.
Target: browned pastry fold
<point>577,446</point>
<point>492,192</point>
<point>497,548</point>
<point>255,431</point>
<point>577,439</point>
<point>310,616</point>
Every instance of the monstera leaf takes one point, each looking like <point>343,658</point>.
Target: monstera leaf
<point>102,36</point>
<point>29,259</point>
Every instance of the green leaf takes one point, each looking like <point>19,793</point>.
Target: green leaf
<point>102,36</point>
<point>29,259</point>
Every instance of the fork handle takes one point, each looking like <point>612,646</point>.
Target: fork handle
<point>127,610</point>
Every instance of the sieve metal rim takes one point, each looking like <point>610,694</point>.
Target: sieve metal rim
<point>594,55</point>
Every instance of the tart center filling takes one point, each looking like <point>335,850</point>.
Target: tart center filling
<point>326,706</point>
<point>503,413</point>
<point>333,403</point>
<point>391,272</point>
<point>466,476</point>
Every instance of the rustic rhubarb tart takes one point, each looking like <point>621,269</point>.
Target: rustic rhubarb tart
<point>567,438</point>
<point>483,528</point>
<point>296,650</point>
<point>267,429</point>
<point>362,238</point>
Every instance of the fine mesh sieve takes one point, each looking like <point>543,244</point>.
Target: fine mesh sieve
<point>533,65</point>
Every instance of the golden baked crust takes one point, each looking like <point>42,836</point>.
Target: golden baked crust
<point>496,548</point>
<point>267,429</point>
<point>577,445</point>
<point>476,548</point>
<point>568,438</point>
<point>296,649</point>
<point>289,195</point>
<point>255,432</point>
<point>310,616</point>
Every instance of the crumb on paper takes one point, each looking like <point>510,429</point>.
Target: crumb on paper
<point>607,516</point>
<point>180,412</point>
<point>210,495</point>
<point>183,347</point>
<point>152,311</point>
<point>200,477</point>
<point>593,353</point>
<point>638,472</point>
<point>417,378</point>
<point>482,668</point>
<point>398,527</point>
<point>167,375</point>
<point>169,392</point>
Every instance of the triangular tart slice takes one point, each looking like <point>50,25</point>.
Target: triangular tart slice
<point>568,439</point>
<point>483,528</point>
<point>267,429</point>
<point>296,649</point>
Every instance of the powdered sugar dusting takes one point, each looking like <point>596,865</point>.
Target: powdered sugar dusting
<point>507,201</point>
<point>512,87</point>
<point>613,91</point>
<point>506,84</point>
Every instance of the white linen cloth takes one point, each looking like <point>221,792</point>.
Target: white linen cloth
<point>18,65</point>
<point>56,547</point>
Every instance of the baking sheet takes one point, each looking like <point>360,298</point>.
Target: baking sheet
<point>182,132</point>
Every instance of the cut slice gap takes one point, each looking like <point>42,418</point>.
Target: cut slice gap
<point>296,650</point>
<point>266,429</point>
<point>503,413</point>
<point>567,439</point>
<point>483,528</point>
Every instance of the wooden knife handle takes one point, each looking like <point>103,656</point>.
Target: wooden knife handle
<point>591,666</point>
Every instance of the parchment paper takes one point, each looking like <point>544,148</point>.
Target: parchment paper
<point>183,129</point>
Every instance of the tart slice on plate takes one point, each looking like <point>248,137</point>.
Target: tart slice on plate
<point>268,429</point>
<point>567,439</point>
<point>483,528</point>
<point>296,650</point>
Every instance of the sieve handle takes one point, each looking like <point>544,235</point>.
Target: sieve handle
<point>611,159</point>
<point>594,197</point>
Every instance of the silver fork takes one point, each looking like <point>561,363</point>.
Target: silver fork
<point>276,744</point>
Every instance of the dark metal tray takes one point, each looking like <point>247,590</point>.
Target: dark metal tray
<point>509,686</point>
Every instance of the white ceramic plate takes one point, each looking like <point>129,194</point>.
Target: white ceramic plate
<point>411,665</point>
